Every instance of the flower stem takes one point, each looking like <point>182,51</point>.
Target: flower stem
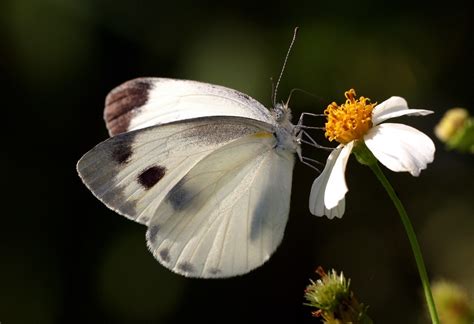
<point>412,238</point>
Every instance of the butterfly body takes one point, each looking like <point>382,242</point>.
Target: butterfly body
<point>207,169</point>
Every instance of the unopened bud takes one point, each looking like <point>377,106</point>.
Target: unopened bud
<point>334,301</point>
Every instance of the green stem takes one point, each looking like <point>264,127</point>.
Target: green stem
<point>413,241</point>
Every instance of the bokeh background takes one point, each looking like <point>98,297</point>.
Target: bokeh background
<point>66,258</point>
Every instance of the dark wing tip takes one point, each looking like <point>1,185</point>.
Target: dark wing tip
<point>123,102</point>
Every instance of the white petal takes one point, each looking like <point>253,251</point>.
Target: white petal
<point>400,147</point>
<point>316,199</point>
<point>395,107</point>
<point>336,186</point>
<point>337,211</point>
<point>329,189</point>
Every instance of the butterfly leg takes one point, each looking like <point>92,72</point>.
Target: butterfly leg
<point>307,161</point>
<point>300,121</point>
<point>311,141</point>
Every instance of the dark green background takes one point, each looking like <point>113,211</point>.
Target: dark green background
<point>65,258</point>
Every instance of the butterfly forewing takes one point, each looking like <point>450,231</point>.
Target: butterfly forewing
<point>133,172</point>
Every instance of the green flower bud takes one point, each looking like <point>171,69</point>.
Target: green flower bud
<point>334,301</point>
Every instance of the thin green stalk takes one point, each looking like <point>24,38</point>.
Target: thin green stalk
<point>412,238</point>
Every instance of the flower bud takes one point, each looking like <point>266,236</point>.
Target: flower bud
<point>334,300</point>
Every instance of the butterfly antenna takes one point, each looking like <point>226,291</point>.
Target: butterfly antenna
<point>273,90</point>
<point>291,93</point>
<point>306,92</point>
<point>284,65</point>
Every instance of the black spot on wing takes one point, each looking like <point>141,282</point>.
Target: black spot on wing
<point>149,177</point>
<point>186,267</point>
<point>165,255</point>
<point>152,232</point>
<point>99,169</point>
<point>180,196</point>
<point>122,148</point>
<point>121,154</point>
<point>101,181</point>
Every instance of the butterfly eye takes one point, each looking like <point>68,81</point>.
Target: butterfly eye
<point>279,112</point>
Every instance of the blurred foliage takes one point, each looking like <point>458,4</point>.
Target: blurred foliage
<point>456,130</point>
<point>137,298</point>
<point>453,303</point>
<point>67,259</point>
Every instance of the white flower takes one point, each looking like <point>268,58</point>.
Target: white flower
<point>399,147</point>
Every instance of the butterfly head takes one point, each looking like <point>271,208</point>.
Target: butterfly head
<point>282,113</point>
<point>285,131</point>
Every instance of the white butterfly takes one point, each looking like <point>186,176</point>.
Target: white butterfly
<point>206,168</point>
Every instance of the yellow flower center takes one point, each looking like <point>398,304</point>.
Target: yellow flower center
<point>349,121</point>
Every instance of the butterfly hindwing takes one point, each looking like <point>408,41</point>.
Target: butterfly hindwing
<point>133,172</point>
<point>227,215</point>
<point>145,102</point>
